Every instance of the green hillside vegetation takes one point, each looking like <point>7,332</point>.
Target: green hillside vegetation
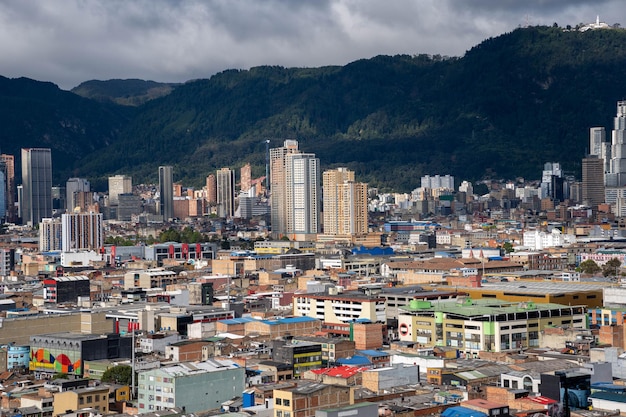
<point>131,92</point>
<point>510,104</point>
<point>39,114</point>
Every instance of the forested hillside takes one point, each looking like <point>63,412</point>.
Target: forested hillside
<point>502,110</point>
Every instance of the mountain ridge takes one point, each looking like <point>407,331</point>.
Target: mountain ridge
<point>507,106</point>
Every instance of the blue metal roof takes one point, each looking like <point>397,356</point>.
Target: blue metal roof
<point>374,353</point>
<point>459,411</point>
<point>290,320</point>
<point>354,360</point>
<point>241,320</point>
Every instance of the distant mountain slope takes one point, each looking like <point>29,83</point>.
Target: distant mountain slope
<point>509,105</point>
<point>131,92</point>
<point>39,114</point>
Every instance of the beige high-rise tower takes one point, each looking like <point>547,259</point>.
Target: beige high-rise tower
<point>278,187</point>
<point>119,184</point>
<point>345,203</point>
<point>246,177</point>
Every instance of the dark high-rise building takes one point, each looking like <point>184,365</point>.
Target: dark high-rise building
<point>593,181</point>
<point>225,192</point>
<point>7,166</point>
<point>36,202</point>
<point>166,192</point>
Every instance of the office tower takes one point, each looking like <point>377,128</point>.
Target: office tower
<point>246,177</point>
<point>7,162</point>
<point>278,197</point>
<point>552,181</point>
<point>345,203</point>
<point>119,184</point>
<point>599,146</point>
<point>593,181</point>
<point>50,235</point>
<point>3,193</point>
<point>73,186</point>
<point>597,141</point>
<point>166,192</point>
<point>302,190</point>
<point>36,201</point>
<point>211,189</point>
<point>128,204</point>
<point>225,180</point>
<point>617,169</point>
<point>81,231</point>
<point>84,201</point>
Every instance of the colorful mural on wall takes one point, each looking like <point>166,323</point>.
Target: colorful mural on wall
<point>55,360</point>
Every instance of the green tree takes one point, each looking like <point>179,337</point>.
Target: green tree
<point>611,267</point>
<point>507,247</point>
<point>120,374</point>
<point>589,267</point>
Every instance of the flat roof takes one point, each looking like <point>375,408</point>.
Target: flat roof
<point>542,287</point>
<point>486,306</point>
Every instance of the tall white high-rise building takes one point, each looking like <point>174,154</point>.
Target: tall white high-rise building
<point>438,181</point>
<point>225,188</point>
<point>119,184</point>
<point>36,202</point>
<point>81,231</point>
<point>73,186</point>
<point>598,146</point>
<point>50,235</point>
<point>302,183</point>
<point>617,169</point>
<point>345,203</point>
<point>295,188</point>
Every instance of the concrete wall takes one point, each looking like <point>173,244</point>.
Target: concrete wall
<point>19,331</point>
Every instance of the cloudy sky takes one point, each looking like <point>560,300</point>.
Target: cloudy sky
<point>70,41</point>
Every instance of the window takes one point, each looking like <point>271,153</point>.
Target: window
<point>89,399</point>
<point>286,403</point>
<point>278,401</point>
<point>97,397</point>
<point>287,414</point>
<point>81,401</point>
<point>279,413</point>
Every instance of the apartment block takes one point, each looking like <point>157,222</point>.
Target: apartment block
<point>195,386</point>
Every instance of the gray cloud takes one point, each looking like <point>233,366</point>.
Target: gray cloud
<point>165,40</point>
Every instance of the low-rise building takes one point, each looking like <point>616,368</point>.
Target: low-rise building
<point>305,400</point>
<point>65,352</point>
<point>301,355</point>
<point>72,400</point>
<point>485,325</point>
<point>194,386</point>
